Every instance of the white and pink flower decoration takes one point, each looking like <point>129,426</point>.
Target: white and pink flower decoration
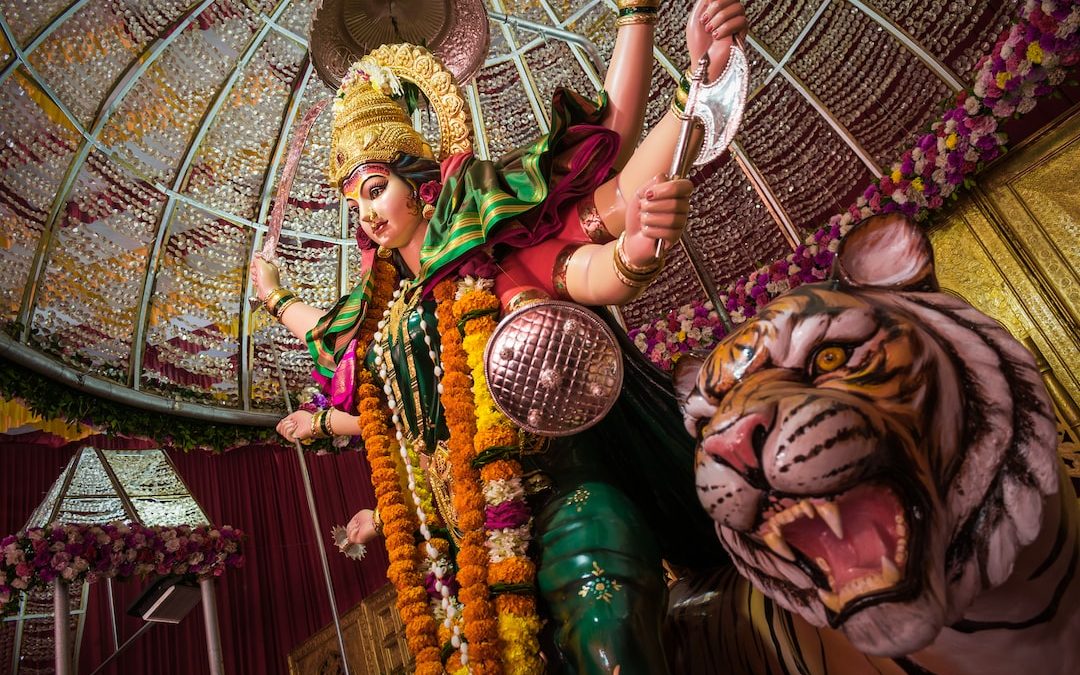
<point>34,558</point>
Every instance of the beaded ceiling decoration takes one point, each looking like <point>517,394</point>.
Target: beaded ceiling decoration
<point>140,144</point>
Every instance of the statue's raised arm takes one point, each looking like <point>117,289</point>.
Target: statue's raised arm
<point>628,80</point>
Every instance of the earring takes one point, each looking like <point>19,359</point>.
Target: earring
<point>428,211</point>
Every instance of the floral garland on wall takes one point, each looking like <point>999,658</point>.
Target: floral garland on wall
<point>53,401</point>
<point>34,558</point>
<point>1028,61</point>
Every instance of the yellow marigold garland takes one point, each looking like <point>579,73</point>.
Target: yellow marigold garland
<point>508,565</point>
<point>481,655</point>
<point>423,490</point>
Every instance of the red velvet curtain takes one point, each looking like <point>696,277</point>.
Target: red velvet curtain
<point>268,607</point>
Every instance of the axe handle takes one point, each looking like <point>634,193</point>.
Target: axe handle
<point>680,161</point>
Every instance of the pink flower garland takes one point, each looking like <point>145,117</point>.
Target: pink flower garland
<point>33,558</point>
<point>1028,61</point>
<point>690,327</point>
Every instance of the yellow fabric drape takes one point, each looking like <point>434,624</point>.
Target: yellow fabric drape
<point>14,415</point>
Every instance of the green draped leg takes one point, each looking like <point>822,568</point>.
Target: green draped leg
<point>600,576</point>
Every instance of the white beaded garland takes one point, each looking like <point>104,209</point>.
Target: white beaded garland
<point>383,365</point>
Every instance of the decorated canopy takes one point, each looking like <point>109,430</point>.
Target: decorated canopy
<point>141,142</point>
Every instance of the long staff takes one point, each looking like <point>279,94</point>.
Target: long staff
<point>309,493</point>
<point>269,253</point>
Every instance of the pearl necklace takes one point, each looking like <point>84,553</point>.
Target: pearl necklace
<point>384,361</point>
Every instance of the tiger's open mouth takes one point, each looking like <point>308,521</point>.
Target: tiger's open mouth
<point>855,544</point>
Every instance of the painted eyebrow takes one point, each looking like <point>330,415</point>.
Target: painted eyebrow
<point>369,177</point>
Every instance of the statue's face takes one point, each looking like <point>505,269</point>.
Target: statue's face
<point>390,212</point>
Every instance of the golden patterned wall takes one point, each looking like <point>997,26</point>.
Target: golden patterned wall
<point>1012,248</point>
<point>374,642</point>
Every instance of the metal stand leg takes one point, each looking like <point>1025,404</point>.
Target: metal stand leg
<point>62,627</point>
<point>112,616</point>
<point>210,621</point>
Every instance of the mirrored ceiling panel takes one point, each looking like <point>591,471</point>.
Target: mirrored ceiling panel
<point>796,166</point>
<point>235,146</point>
<point>191,331</point>
<point>97,258</point>
<point>27,19</point>
<point>864,78</point>
<point>955,33</point>
<point>37,144</point>
<point>141,144</point>
<point>777,24</point>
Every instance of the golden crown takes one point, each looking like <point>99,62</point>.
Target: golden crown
<point>370,127</point>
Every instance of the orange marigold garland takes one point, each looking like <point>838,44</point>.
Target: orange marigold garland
<point>511,575</point>
<point>398,526</point>
<point>481,652</point>
<point>399,522</point>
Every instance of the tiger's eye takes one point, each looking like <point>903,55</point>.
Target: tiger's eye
<point>829,359</point>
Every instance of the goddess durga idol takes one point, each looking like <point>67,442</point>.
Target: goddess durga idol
<point>490,529</point>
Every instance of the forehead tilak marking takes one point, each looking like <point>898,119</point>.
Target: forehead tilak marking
<point>362,173</point>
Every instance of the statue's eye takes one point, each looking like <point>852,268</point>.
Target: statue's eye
<point>828,359</point>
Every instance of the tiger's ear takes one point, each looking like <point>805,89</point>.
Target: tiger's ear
<point>887,251</point>
<point>685,375</point>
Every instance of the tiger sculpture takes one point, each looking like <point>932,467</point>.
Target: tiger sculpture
<point>880,462</point>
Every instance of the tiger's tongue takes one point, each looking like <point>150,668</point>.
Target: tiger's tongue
<point>869,519</point>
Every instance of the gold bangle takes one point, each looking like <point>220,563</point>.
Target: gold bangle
<point>324,422</point>
<point>273,296</point>
<point>279,309</point>
<point>627,281</point>
<point>632,279</point>
<point>376,521</point>
<point>317,424</point>
<point>679,98</point>
<point>631,269</point>
<point>525,297</point>
<point>280,306</point>
<point>634,19</point>
<point>634,4</point>
<point>678,101</point>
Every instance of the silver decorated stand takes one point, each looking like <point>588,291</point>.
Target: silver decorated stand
<point>99,487</point>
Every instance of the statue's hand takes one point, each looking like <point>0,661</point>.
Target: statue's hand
<point>296,426</point>
<point>361,528</point>
<point>659,211</point>
<point>264,276</point>
<point>710,27</point>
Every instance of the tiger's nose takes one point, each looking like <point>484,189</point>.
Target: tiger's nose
<point>740,443</point>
